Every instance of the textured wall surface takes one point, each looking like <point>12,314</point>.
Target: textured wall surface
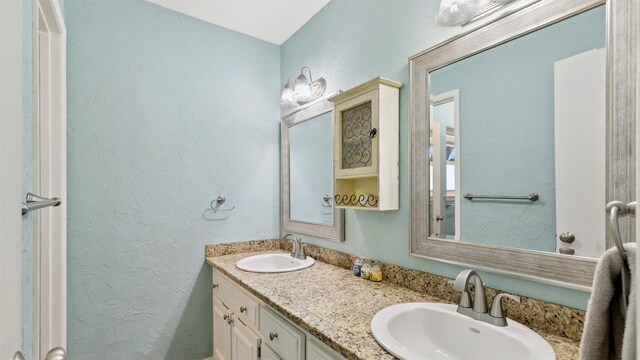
<point>27,177</point>
<point>165,113</point>
<point>350,42</point>
<point>507,130</point>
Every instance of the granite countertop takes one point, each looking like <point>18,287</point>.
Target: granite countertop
<point>337,307</point>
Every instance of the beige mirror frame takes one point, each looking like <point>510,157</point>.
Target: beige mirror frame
<point>563,270</point>
<point>336,230</point>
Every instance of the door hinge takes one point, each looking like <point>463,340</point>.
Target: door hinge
<point>259,351</point>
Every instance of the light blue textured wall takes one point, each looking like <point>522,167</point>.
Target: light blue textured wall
<point>165,113</point>
<point>350,42</point>
<point>507,130</point>
<point>27,177</point>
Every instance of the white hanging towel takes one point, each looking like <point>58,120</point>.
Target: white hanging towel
<point>609,328</point>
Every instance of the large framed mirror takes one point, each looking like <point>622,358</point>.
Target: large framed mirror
<point>521,132</point>
<point>306,172</point>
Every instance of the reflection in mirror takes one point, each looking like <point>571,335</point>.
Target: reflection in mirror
<point>531,128</point>
<point>311,170</point>
<point>531,120</point>
<point>306,172</point>
<point>443,156</point>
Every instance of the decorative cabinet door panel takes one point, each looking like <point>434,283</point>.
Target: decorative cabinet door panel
<point>357,126</point>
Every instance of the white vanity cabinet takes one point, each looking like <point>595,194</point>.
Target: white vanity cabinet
<point>234,322</point>
<point>366,146</point>
<point>244,328</point>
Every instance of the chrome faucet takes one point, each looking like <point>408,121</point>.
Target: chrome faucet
<point>477,308</point>
<point>298,247</point>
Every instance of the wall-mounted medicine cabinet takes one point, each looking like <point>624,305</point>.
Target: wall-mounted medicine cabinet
<point>366,146</point>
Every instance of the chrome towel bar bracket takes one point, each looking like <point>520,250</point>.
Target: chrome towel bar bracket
<point>617,209</point>
<point>215,204</point>
<point>35,202</point>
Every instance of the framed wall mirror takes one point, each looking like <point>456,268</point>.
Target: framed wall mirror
<point>521,132</point>
<point>306,172</point>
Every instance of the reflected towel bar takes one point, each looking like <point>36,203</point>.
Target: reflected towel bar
<point>530,197</point>
<point>35,202</point>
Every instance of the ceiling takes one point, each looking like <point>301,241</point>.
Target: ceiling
<point>269,20</point>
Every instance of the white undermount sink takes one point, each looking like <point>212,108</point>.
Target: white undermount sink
<point>436,331</point>
<point>273,263</point>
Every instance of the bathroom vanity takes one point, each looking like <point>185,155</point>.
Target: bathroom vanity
<point>245,327</point>
<point>322,312</point>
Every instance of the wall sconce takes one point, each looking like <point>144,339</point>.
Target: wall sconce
<point>287,92</point>
<point>302,90</point>
<point>456,12</point>
<point>462,12</point>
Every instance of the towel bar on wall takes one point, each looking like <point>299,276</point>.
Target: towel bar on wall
<point>530,197</point>
<point>617,209</point>
<point>35,202</point>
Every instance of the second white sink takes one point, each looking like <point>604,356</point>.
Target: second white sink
<point>273,263</point>
<point>436,331</point>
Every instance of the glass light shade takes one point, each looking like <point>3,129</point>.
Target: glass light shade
<point>456,12</point>
<point>302,90</point>
<point>287,95</point>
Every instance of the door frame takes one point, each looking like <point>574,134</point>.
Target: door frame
<point>50,178</point>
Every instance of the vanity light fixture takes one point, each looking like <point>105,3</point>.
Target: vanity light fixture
<point>287,92</point>
<point>302,90</point>
<point>463,12</point>
<point>456,12</point>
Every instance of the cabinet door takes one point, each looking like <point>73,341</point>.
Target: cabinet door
<point>318,351</point>
<point>221,331</point>
<point>269,354</point>
<point>356,126</point>
<point>245,344</point>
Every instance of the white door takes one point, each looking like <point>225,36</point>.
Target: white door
<point>49,252</point>
<point>10,177</point>
<point>444,169</point>
<point>579,83</point>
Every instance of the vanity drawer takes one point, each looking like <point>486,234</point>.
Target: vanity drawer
<point>281,336</point>
<point>243,306</point>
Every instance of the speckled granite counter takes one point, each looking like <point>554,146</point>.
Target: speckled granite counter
<point>337,307</point>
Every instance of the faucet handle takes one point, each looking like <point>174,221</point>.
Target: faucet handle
<point>496,307</point>
<point>461,281</point>
<point>301,251</point>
